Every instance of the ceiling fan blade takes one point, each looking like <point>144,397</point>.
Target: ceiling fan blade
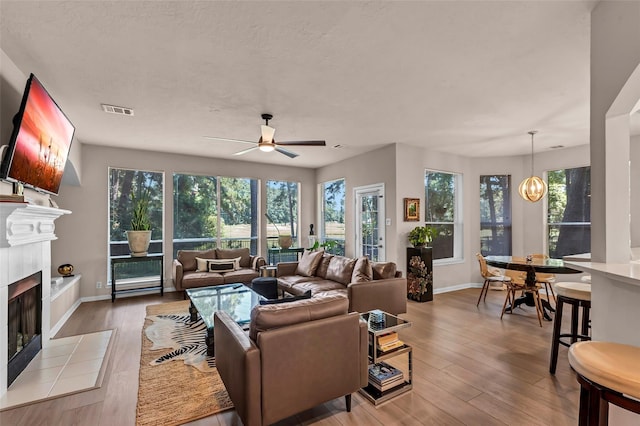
<point>302,143</point>
<point>228,140</point>
<point>267,133</point>
<point>246,150</point>
<point>289,154</point>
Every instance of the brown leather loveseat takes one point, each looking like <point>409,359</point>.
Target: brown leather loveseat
<point>368,285</point>
<point>191,269</point>
<point>296,356</point>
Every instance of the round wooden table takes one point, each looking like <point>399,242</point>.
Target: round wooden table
<point>547,266</point>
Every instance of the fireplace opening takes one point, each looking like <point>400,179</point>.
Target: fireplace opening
<point>25,323</point>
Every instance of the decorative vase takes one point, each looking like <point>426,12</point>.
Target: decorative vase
<point>66,270</point>
<point>285,241</point>
<point>139,242</point>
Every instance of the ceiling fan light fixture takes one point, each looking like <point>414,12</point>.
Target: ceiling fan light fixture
<point>266,146</point>
<point>533,188</point>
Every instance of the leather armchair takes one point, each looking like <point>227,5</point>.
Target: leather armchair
<point>296,356</point>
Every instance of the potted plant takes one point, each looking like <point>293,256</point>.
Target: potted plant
<point>139,236</point>
<point>422,235</point>
<point>328,245</point>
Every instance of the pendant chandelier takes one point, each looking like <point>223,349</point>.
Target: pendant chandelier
<point>532,188</point>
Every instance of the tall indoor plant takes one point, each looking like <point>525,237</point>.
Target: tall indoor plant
<point>139,236</point>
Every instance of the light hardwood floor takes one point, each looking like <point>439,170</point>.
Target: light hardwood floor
<point>469,368</point>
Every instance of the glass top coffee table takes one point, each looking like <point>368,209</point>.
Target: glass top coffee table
<point>237,300</point>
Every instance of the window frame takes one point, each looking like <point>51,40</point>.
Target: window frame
<point>156,242</point>
<point>458,214</point>
<point>509,222</point>
<point>322,230</point>
<point>217,240</point>
<point>548,223</point>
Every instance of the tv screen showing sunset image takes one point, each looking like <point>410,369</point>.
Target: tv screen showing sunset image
<point>42,142</point>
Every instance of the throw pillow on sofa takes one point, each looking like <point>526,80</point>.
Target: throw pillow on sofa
<point>341,269</point>
<point>308,263</point>
<point>222,265</point>
<point>202,265</point>
<point>324,265</point>
<point>383,270</point>
<point>363,271</point>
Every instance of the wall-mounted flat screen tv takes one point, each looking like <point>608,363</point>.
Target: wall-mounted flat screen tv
<point>40,141</point>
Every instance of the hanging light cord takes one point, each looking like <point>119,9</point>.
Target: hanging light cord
<point>533,132</point>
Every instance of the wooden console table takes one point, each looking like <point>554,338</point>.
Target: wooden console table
<point>159,258</point>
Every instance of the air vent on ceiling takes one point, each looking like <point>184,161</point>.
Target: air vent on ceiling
<point>112,109</point>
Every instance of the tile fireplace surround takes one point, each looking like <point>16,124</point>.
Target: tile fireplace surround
<point>26,232</point>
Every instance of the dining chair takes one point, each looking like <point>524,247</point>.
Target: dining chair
<point>546,279</point>
<point>490,275</point>
<point>517,283</point>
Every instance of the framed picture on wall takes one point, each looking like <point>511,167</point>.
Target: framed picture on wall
<point>411,209</point>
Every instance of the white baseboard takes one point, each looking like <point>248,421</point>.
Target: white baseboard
<point>456,287</point>
<point>120,296</point>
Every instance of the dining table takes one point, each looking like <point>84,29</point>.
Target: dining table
<point>531,266</point>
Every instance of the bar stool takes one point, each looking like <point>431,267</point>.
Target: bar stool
<point>577,295</point>
<point>607,373</point>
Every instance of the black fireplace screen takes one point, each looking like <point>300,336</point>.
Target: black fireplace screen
<point>25,322</point>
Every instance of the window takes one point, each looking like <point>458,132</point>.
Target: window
<point>443,211</point>
<point>122,185</point>
<point>495,215</point>
<point>195,212</point>
<point>282,209</point>
<point>569,212</point>
<point>214,211</point>
<point>332,215</point>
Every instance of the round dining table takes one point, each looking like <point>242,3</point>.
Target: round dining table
<point>547,266</point>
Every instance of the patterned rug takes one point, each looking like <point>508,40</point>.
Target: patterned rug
<point>184,339</point>
<point>178,382</point>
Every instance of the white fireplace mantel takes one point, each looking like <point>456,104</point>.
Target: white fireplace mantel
<point>22,223</point>
<point>26,232</point>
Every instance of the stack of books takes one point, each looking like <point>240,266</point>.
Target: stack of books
<point>388,342</point>
<point>384,376</point>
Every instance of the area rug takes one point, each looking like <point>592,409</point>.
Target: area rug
<point>178,382</point>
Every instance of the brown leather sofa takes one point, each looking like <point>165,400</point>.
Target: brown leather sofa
<point>367,285</point>
<point>187,274</point>
<point>296,356</point>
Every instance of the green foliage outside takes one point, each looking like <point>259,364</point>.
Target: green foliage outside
<point>440,196</point>
<point>569,211</point>
<point>126,186</point>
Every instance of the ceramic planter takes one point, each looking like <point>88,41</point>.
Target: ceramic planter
<point>139,242</point>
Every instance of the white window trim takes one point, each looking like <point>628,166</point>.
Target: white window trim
<point>458,225</point>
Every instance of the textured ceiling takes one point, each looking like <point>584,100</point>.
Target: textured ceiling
<point>468,78</point>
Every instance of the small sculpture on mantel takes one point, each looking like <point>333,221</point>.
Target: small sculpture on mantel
<point>66,270</point>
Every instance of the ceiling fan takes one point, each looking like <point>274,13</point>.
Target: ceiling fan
<point>267,143</point>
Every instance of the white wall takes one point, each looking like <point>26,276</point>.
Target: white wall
<point>528,230</point>
<point>83,235</point>
<point>615,53</point>
<point>12,84</point>
<point>370,168</point>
